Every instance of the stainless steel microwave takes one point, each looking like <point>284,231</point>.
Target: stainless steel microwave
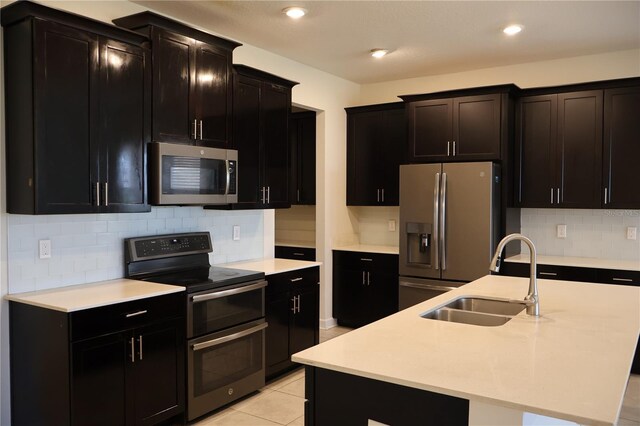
<point>186,174</point>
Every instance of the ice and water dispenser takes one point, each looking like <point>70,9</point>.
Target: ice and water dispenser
<point>419,243</point>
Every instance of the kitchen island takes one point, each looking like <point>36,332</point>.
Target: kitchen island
<point>571,363</point>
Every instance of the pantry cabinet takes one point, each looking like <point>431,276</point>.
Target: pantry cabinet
<point>77,115</point>
<point>192,81</point>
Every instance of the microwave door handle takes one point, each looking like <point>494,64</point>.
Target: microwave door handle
<point>234,336</point>
<point>226,189</point>
<point>225,293</point>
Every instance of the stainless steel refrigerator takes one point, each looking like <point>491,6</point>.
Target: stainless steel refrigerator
<point>449,219</point>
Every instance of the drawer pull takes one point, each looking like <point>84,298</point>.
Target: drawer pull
<point>551,274</point>
<point>135,314</point>
<point>293,280</point>
<point>298,254</point>
<point>626,280</point>
<point>366,259</point>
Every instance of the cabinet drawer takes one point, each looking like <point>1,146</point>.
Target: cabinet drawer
<point>612,276</point>
<point>286,281</point>
<point>363,260</point>
<point>122,316</point>
<point>296,253</point>
<point>550,272</point>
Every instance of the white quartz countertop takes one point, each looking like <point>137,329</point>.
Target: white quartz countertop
<point>272,266</point>
<point>300,244</point>
<point>572,362</point>
<point>87,296</point>
<point>580,262</point>
<point>368,248</point>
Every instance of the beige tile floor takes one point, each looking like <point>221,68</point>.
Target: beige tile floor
<point>281,401</point>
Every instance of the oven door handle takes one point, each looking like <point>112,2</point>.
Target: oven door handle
<point>234,336</point>
<point>225,293</point>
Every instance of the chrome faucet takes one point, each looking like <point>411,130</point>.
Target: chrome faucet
<point>532,300</point>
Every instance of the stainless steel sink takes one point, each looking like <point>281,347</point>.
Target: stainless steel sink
<point>486,305</point>
<point>482,311</point>
<point>466,317</point>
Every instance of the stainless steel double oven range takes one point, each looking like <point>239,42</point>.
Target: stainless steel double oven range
<point>225,324</point>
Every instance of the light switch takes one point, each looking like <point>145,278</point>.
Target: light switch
<point>236,232</point>
<point>632,233</point>
<point>392,225</point>
<point>45,249</point>
<point>561,231</point>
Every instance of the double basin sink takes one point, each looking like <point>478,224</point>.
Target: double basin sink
<point>481,311</point>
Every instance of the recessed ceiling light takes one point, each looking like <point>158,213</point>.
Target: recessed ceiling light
<point>294,12</point>
<point>378,53</point>
<point>512,29</point>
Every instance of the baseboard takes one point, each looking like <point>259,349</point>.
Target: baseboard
<point>326,324</point>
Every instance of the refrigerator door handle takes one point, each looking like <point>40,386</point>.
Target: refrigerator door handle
<point>436,219</point>
<point>443,218</point>
<point>441,288</point>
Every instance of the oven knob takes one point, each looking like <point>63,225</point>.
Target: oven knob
<point>230,391</point>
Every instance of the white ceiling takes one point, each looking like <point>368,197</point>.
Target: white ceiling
<point>425,37</point>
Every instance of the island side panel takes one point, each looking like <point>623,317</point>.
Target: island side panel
<point>335,399</point>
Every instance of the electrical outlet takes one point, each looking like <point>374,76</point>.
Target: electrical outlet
<point>561,231</point>
<point>392,225</point>
<point>236,233</point>
<point>45,249</point>
<point>632,233</point>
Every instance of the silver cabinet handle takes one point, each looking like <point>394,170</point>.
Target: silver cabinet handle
<point>298,254</point>
<point>97,193</point>
<point>436,213</point>
<point>200,129</point>
<point>140,346</point>
<point>383,195</point>
<point>133,350</point>
<point>626,280</point>
<point>106,193</point>
<point>551,274</point>
<point>195,129</point>
<point>268,194</point>
<point>294,304</point>
<point>299,299</point>
<point>558,195</point>
<point>605,195</point>
<point>448,148</point>
<point>263,194</point>
<point>366,259</point>
<point>378,196</point>
<point>293,280</point>
<point>234,336</point>
<point>363,277</point>
<point>226,293</point>
<point>443,218</point>
<point>368,278</point>
<point>298,194</point>
<point>454,148</point>
<point>135,314</point>
<point>551,195</point>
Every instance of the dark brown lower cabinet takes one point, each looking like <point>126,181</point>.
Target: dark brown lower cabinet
<point>296,253</point>
<point>292,312</point>
<point>335,398</point>
<point>99,367</point>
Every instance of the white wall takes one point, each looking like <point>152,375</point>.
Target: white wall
<point>296,225</point>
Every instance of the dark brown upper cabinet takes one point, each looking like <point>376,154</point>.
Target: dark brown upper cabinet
<point>78,113</point>
<point>467,125</point>
<point>192,83</point>
<point>621,173</point>
<point>559,150</point>
<point>261,110</point>
<point>376,135</point>
<point>302,145</point>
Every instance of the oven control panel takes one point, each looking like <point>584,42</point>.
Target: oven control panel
<point>146,248</point>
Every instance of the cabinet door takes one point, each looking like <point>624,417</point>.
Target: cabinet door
<point>350,294</point>
<point>66,111</point>
<point>476,128</point>
<point>213,95</point>
<point>99,380</point>
<point>303,159</point>
<point>305,321</point>
<point>579,149</point>
<point>394,135</point>
<point>383,294</point>
<point>158,372</point>
<point>277,310</point>
<point>246,136</point>
<point>275,104</point>
<point>535,150</point>
<point>363,175</point>
<point>124,120</point>
<point>173,91</point>
<point>430,130</point>
<point>622,148</point>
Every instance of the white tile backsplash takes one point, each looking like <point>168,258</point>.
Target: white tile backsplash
<point>89,248</point>
<point>590,233</point>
